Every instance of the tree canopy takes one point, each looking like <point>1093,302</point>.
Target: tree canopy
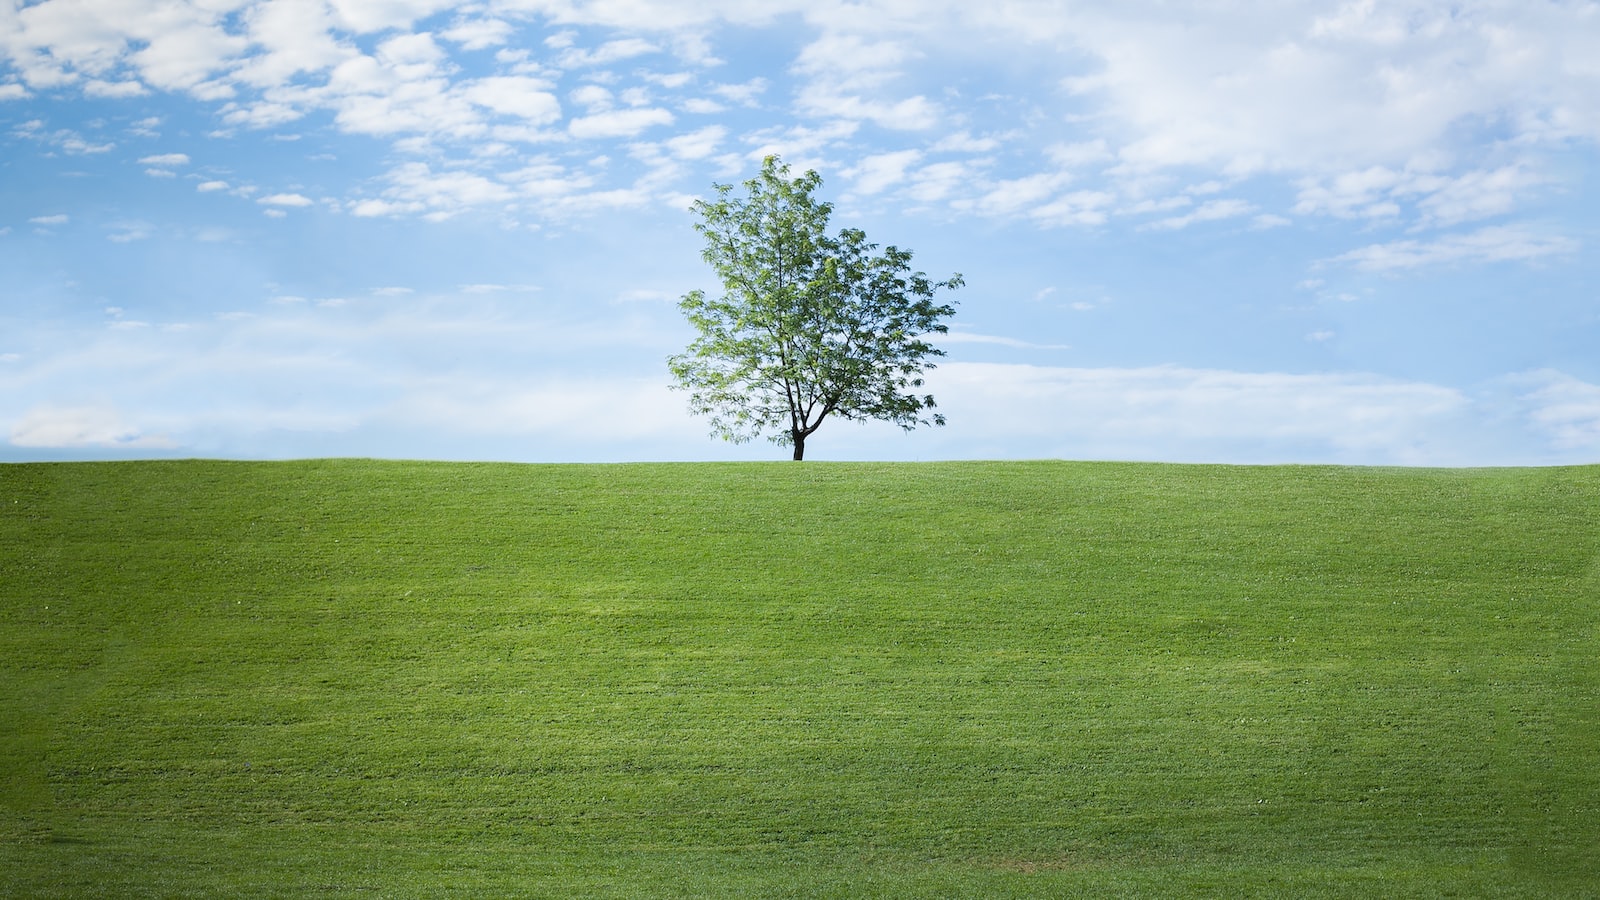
<point>810,324</point>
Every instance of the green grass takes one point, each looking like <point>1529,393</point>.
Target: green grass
<point>354,678</point>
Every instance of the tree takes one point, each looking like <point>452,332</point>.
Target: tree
<point>811,325</point>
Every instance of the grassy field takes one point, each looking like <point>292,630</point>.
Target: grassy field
<point>355,678</point>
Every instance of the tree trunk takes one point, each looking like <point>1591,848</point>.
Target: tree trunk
<point>799,446</point>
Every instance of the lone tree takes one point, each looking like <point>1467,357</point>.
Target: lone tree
<point>810,324</point>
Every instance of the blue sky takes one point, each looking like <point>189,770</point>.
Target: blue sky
<point>1354,232</point>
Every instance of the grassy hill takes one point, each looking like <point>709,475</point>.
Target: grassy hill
<point>341,678</point>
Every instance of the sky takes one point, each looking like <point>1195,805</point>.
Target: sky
<point>1232,232</point>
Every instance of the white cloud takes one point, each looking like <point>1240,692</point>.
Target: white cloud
<point>1442,199</point>
<point>1210,211</point>
<point>703,107</point>
<point>607,53</point>
<point>208,186</point>
<point>77,145</point>
<point>411,57</point>
<point>165,159</point>
<point>187,56</point>
<point>618,123</point>
<point>518,96</point>
<point>962,142</point>
<point>369,16</point>
<point>286,200</point>
<point>114,90</point>
<point>479,34</point>
<point>416,188</point>
<point>1360,194</point>
<point>1151,205</point>
<point>261,114</point>
<point>57,219</point>
<point>597,201</point>
<point>1487,245</point>
<point>172,47</point>
<point>13,91</point>
<point>1169,412</point>
<point>374,208</point>
<point>910,114</point>
<point>405,89</point>
<point>1078,208</point>
<point>544,178</point>
<point>1247,89</point>
<point>799,145</point>
<point>855,59</point>
<point>850,77</point>
<point>968,337</point>
<point>939,181</point>
<point>69,141</point>
<point>1012,196</point>
<point>745,93</point>
<point>57,427</point>
<point>598,410</point>
<point>128,232</point>
<point>593,97</point>
<point>1478,195</point>
<point>1081,154</point>
<point>295,37</point>
<point>883,170</point>
<point>1565,408</point>
<point>669,80</point>
<point>697,144</point>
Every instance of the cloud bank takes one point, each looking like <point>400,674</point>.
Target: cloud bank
<point>1403,94</point>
